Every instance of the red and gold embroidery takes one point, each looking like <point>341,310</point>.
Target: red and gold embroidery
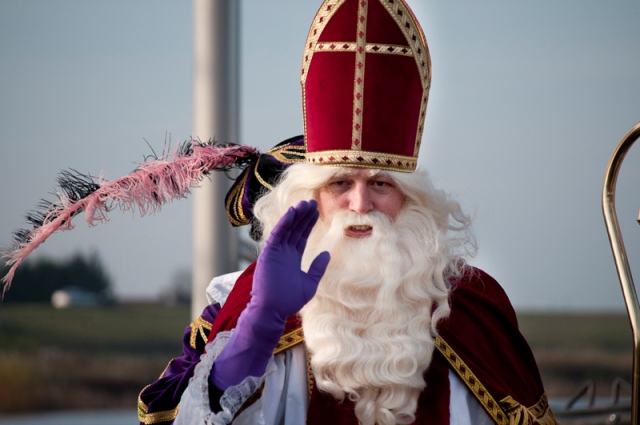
<point>506,412</point>
<point>289,340</point>
<point>362,159</point>
<point>358,78</point>
<point>416,47</point>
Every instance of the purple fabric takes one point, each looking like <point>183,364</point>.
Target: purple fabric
<point>280,289</point>
<point>165,393</point>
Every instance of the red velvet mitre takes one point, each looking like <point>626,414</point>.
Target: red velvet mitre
<point>365,83</point>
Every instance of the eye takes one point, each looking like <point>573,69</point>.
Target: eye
<point>338,186</point>
<point>382,185</point>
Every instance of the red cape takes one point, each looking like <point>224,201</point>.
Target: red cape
<point>480,342</point>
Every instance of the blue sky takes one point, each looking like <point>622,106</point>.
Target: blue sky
<point>528,101</point>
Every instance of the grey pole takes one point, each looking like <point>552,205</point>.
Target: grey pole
<point>215,116</point>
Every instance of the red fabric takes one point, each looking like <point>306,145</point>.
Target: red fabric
<point>483,330</point>
<point>392,98</point>
<point>329,106</point>
<point>382,28</point>
<point>342,25</point>
<point>392,90</point>
<point>236,302</point>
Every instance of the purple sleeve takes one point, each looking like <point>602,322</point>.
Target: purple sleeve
<point>158,402</point>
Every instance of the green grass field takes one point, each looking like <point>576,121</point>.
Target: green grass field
<point>84,357</point>
<point>102,357</point>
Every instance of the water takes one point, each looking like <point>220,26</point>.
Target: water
<point>90,417</point>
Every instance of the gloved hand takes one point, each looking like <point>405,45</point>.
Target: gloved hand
<point>280,289</point>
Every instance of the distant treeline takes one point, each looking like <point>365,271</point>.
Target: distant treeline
<point>36,281</point>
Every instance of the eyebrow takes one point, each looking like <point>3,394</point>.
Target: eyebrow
<point>372,172</point>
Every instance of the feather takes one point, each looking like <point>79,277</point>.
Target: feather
<point>156,181</point>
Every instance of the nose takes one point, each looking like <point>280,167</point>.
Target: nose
<point>360,200</point>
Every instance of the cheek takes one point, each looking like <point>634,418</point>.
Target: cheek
<point>326,203</point>
<point>392,204</point>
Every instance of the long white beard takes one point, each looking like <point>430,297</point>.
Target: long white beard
<point>369,327</point>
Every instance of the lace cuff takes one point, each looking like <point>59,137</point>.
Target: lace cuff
<point>194,405</point>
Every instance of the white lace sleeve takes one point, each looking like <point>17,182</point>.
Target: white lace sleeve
<point>220,287</point>
<point>194,404</point>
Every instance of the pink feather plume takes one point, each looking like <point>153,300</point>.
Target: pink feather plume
<point>154,183</point>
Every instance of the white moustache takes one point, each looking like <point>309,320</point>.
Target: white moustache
<point>344,218</point>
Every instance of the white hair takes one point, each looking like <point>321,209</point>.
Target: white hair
<point>370,328</point>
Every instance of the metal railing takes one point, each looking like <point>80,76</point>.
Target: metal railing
<point>621,260</point>
<point>583,408</point>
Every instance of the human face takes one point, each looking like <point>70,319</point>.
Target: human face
<point>360,190</point>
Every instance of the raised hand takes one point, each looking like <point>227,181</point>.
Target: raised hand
<point>280,289</point>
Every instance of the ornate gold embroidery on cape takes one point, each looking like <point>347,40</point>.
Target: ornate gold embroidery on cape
<point>488,402</point>
<point>198,327</point>
<point>310,377</point>
<point>289,340</point>
<point>292,339</point>
<point>508,411</point>
<point>539,413</point>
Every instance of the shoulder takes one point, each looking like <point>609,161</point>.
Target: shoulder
<point>220,287</point>
<point>235,301</point>
<point>477,293</point>
<point>483,331</point>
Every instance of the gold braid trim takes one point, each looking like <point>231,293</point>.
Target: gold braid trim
<point>508,411</point>
<point>348,46</point>
<point>153,418</point>
<point>488,402</point>
<point>289,154</point>
<point>235,201</point>
<point>289,340</point>
<point>310,377</point>
<point>363,159</point>
<point>199,326</point>
<point>539,413</point>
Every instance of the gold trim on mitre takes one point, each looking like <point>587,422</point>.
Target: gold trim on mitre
<point>416,39</point>
<point>363,159</point>
<point>323,16</point>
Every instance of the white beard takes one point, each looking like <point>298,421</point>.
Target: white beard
<point>369,327</point>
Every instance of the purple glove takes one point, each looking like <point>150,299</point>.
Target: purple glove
<point>280,289</point>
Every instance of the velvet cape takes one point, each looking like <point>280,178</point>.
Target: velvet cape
<point>479,341</point>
